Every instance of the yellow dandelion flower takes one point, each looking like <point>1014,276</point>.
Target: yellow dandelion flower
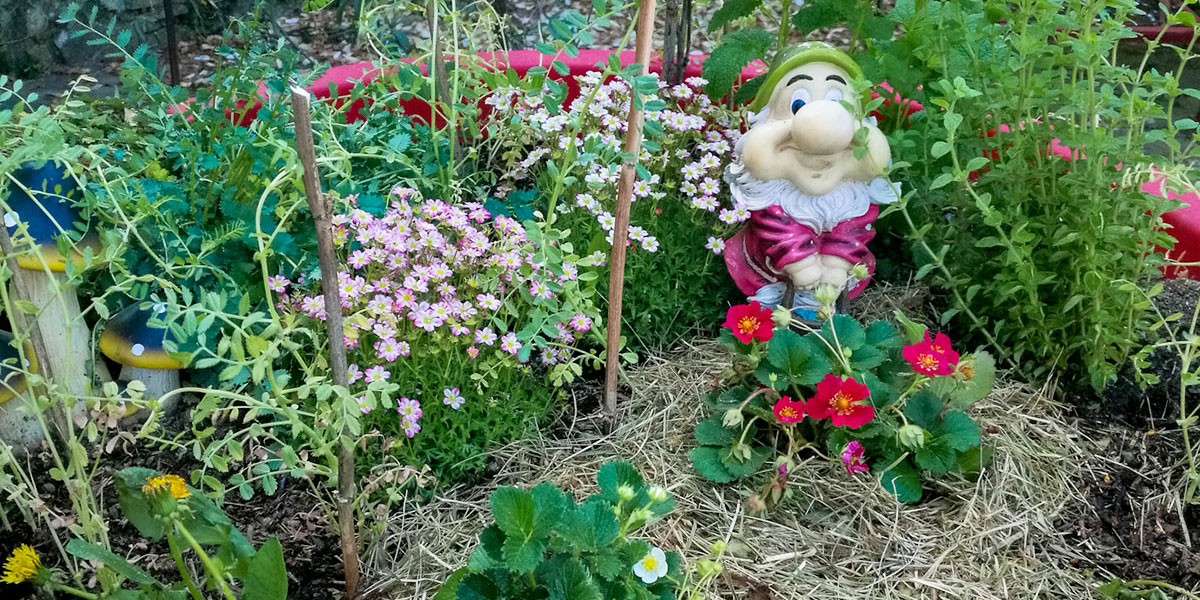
<point>21,565</point>
<point>171,483</point>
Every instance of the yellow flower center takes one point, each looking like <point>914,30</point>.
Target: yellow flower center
<point>649,563</point>
<point>747,324</point>
<point>22,565</point>
<point>928,361</point>
<point>842,403</point>
<point>788,412</point>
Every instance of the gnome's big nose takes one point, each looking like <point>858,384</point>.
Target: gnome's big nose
<point>822,127</point>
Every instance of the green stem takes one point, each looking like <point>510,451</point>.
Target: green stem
<point>209,567</point>
<point>74,592</point>
<point>173,545</point>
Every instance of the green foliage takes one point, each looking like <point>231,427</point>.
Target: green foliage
<point>1048,260</point>
<point>545,545</point>
<point>737,50</point>
<point>918,425</point>
<point>187,520</point>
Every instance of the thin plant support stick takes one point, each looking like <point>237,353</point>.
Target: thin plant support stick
<point>172,45</point>
<point>318,204</point>
<point>633,146</point>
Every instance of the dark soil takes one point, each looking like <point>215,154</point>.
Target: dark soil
<point>293,515</point>
<point>1134,525</point>
<point>1155,405</point>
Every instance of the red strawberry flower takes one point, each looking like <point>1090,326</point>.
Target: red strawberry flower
<point>841,400</point>
<point>788,410</point>
<point>931,357</point>
<point>750,322</point>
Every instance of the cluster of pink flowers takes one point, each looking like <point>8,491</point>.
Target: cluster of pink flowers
<point>697,142</point>
<point>429,277</point>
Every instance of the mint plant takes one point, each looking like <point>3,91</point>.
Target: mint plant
<point>545,545</point>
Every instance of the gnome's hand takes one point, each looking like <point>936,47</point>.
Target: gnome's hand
<point>806,273</point>
<point>835,271</point>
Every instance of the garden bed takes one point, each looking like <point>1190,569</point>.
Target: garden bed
<point>842,537</point>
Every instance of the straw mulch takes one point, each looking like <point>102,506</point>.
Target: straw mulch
<point>842,537</point>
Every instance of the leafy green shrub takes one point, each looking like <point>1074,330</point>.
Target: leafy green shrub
<point>1027,169</point>
<point>545,545</point>
<point>848,390</point>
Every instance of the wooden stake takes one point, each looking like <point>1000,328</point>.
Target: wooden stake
<point>318,204</point>
<point>633,147</point>
<point>172,44</point>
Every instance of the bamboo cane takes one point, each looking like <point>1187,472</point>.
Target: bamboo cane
<point>633,146</point>
<point>319,206</point>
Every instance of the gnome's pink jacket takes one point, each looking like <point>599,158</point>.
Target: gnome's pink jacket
<point>771,240</point>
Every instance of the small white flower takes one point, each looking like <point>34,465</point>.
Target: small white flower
<point>717,245</point>
<point>652,567</point>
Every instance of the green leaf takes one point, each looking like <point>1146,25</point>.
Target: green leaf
<point>744,468</point>
<point>737,50</point>
<point>959,430</point>
<point>941,181</point>
<point>489,554</point>
<point>607,563</point>
<point>882,334</point>
<point>614,475</point>
<point>267,578</point>
<point>902,481</point>
<point>591,525</point>
<point>449,590</point>
<point>979,385</point>
<point>514,511</point>
<point>567,579</point>
<point>134,503</point>
<point>707,461</point>
<point>770,376</point>
<point>523,555</point>
<point>937,456</point>
<point>712,432</point>
<point>973,461</point>
<point>801,358</point>
<point>849,333</point>
<point>923,409</point>
<point>477,586</point>
<point>732,10</point>
<point>89,551</point>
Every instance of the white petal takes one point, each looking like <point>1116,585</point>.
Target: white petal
<point>10,219</point>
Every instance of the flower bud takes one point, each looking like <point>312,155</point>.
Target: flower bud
<point>708,568</point>
<point>911,436</point>
<point>625,493</point>
<point>826,295</point>
<point>781,316</point>
<point>717,548</point>
<point>860,271</point>
<point>657,494</point>
<point>733,418</point>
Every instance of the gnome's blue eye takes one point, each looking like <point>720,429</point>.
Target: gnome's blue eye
<point>800,97</point>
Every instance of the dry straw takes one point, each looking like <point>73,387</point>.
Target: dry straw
<point>842,538</point>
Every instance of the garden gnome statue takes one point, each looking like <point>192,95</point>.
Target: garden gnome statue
<point>812,203</point>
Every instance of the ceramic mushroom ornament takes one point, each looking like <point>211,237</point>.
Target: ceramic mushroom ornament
<point>812,203</point>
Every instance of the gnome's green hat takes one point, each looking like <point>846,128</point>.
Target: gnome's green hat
<point>801,54</point>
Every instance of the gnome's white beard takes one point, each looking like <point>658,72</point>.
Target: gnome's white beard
<point>849,199</point>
